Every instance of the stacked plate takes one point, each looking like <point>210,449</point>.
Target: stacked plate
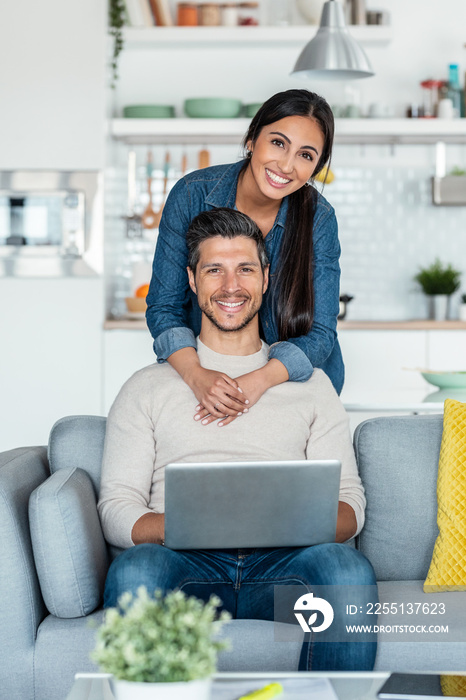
<point>148,112</point>
<point>212,107</point>
<point>446,380</point>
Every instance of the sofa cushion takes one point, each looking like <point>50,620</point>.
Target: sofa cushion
<point>78,441</point>
<point>447,570</point>
<point>433,652</point>
<point>398,462</point>
<point>69,548</point>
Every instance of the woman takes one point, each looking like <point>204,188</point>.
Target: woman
<point>288,143</point>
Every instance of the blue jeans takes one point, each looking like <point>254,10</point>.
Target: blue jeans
<point>244,581</point>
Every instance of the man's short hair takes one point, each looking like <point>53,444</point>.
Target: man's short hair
<point>227,223</point>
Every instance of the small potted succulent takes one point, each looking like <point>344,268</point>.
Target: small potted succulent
<point>159,646</point>
<point>438,282</point>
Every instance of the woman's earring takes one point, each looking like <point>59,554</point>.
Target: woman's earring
<point>248,153</point>
<point>308,183</point>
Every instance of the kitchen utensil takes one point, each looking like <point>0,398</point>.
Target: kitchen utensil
<point>166,168</point>
<point>148,112</point>
<point>212,108</point>
<point>344,301</point>
<point>204,159</point>
<point>184,164</point>
<point>430,97</point>
<point>131,181</point>
<point>446,380</point>
<point>149,215</point>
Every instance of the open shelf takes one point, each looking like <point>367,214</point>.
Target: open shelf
<point>228,131</point>
<point>190,37</point>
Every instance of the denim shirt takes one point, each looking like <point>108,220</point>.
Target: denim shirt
<point>173,315</point>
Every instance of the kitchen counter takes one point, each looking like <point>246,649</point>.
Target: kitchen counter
<point>416,325</point>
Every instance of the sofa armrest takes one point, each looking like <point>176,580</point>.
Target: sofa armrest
<point>21,606</point>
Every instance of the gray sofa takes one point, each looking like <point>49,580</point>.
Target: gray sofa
<point>48,509</point>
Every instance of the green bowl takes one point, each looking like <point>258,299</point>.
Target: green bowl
<point>149,112</point>
<point>446,380</point>
<point>212,108</point>
<point>252,109</point>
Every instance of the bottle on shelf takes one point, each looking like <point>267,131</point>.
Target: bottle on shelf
<point>454,91</point>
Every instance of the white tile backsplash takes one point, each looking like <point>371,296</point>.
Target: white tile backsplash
<point>388,225</point>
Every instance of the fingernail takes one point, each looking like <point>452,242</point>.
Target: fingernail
<point>197,417</point>
<point>240,414</point>
<point>245,410</point>
<point>220,425</point>
<point>198,407</point>
<point>240,390</point>
<point>204,422</point>
<point>247,401</point>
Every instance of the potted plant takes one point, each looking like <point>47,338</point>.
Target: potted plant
<point>438,282</point>
<point>159,646</point>
<point>462,312</point>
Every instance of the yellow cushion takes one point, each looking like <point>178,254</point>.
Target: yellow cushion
<point>453,685</point>
<point>447,570</point>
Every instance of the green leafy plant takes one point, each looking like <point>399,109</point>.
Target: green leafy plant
<point>438,279</point>
<point>117,19</point>
<point>161,638</point>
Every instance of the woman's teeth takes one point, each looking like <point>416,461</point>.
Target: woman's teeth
<point>276,178</point>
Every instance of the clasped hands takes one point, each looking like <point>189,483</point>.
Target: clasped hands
<point>223,398</point>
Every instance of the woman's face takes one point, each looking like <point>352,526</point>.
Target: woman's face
<point>285,155</point>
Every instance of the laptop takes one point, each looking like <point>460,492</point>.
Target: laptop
<point>230,505</point>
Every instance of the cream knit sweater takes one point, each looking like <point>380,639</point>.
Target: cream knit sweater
<point>151,424</point>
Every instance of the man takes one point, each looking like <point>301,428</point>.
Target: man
<point>151,424</point>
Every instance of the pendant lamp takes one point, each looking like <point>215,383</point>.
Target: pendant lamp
<point>333,54</point>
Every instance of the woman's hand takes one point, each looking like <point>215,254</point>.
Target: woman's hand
<point>219,395</point>
<point>253,384</point>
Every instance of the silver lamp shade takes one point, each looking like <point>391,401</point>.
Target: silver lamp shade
<point>333,54</point>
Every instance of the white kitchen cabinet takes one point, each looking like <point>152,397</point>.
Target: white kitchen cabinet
<point>446,350</point>
<point>125,351</point>
<point>380,362</point>
<point>50,354</point>
<point>378,370</point>
<point>53,56</point>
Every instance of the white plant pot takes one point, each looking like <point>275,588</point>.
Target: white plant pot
<point>439,306</point>
<point>191,690</point>
<point>462,312</point>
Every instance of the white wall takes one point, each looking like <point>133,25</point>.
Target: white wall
<point>52,85</point>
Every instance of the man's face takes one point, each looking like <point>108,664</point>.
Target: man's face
<point>229,281</point>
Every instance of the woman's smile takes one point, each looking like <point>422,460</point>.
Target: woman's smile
<point>275,179</point>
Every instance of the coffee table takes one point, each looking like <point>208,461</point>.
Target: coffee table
<point>347,685</point>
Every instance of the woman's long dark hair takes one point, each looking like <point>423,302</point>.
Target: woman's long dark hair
<point>294,283</point>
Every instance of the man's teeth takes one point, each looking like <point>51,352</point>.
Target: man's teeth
<point>276,178</point>
<point>230,303</point>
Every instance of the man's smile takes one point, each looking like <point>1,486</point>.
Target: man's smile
<point>230,306</point>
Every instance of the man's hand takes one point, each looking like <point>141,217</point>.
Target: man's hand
<point>346,522</point>
<point>253,384</point>
<point>150,527</point>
